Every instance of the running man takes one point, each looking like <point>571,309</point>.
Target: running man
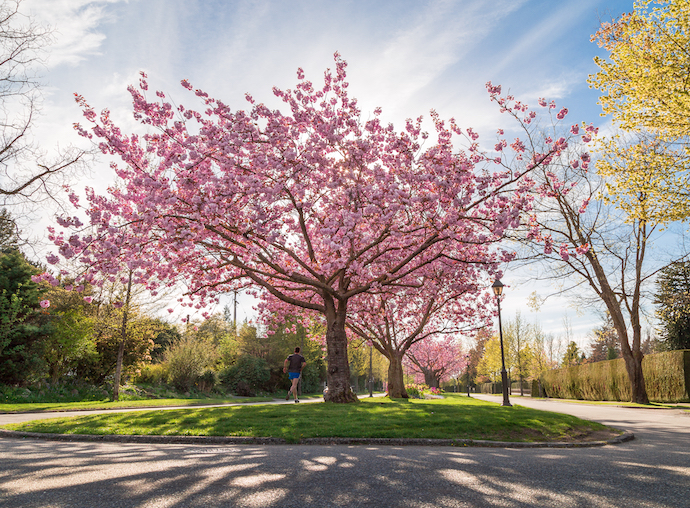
<point>293,366</point>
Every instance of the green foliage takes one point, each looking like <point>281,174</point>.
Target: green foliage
<point>68,338</point>
<point>673,300</point>
<point>573,355</point>
<point>9,237</point>
<point>70,391</point>
<point>187,359</point>
<point>22,323</point>
<point>154,374</point>
<point>107,335</point>
<point>247,374</point>
<point>207,381</point>
<point>667,379</point>
<point>312,376</point>
<point>358,358</point>
<point>490,364</point>
<point>167,335</point>
<point>518,336</point>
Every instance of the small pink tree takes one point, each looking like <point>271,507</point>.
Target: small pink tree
<point>316,206</point>
<point>446,298</point>
<point>436,360</point>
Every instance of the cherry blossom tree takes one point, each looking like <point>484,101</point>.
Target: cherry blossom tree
<point>436,360</point>
<point>315,206</point>
<point>447,298</point>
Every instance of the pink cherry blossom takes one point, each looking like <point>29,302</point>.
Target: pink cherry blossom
<point>45,303</point>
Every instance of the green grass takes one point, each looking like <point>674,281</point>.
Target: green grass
<point>30,407</point>
<point>455,417</point>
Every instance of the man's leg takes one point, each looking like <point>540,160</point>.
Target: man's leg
<point>293,388</point>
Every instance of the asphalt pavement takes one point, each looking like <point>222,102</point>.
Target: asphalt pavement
<point>651,471</point>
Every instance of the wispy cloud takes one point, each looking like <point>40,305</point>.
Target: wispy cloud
<point>76,27</point>
<point>428,43</point>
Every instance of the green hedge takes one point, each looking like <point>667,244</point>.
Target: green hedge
<point>667,379</point>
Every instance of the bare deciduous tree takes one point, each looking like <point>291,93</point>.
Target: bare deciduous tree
<point>28,175</point>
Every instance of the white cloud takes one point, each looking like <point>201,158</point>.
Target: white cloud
<point>75,24</point>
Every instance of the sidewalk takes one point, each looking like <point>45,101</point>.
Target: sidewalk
<point>496,397</point>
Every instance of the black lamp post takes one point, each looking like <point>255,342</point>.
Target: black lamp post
<point>498,289</point>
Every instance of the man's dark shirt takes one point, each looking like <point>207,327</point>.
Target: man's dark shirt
<point>295,362</point>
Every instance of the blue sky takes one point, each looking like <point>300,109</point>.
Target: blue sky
<point>404,56</point>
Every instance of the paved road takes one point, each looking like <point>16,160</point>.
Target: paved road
<point>651,471</point>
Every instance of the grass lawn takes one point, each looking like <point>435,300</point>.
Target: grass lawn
<point>30,407</point>
<point>454,417</point>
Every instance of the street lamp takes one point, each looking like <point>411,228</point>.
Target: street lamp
<point>498,289</point>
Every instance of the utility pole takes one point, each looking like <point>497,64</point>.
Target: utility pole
<point>301,350</point>
<point>234,312</point>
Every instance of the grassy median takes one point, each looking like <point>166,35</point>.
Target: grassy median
<point>454,417</point>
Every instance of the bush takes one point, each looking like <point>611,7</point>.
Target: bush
<point>207,381</point>
<point>312,376</point>
<point>153,374</point>
<point>248,374</point>
<point>186,361</point>
<point>70,391</point>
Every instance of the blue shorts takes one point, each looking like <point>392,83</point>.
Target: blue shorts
<point>293,375</point>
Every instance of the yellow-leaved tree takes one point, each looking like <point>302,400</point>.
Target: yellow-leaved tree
<point>645,85</point>
<point>645,177</point>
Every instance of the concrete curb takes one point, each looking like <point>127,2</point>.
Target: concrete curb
<point>112,438</point>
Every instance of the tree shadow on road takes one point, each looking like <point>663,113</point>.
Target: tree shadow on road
<point>35,473</point>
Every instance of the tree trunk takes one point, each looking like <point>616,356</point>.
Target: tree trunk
<point>632,355</point>
<point>633,365</point>
<point>429,378</point>
<point>123,339</point>
<point>118,370</point>
<point>338,372</point>
<point>396,380</point>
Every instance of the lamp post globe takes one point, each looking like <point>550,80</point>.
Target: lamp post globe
<point>498,290</point>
